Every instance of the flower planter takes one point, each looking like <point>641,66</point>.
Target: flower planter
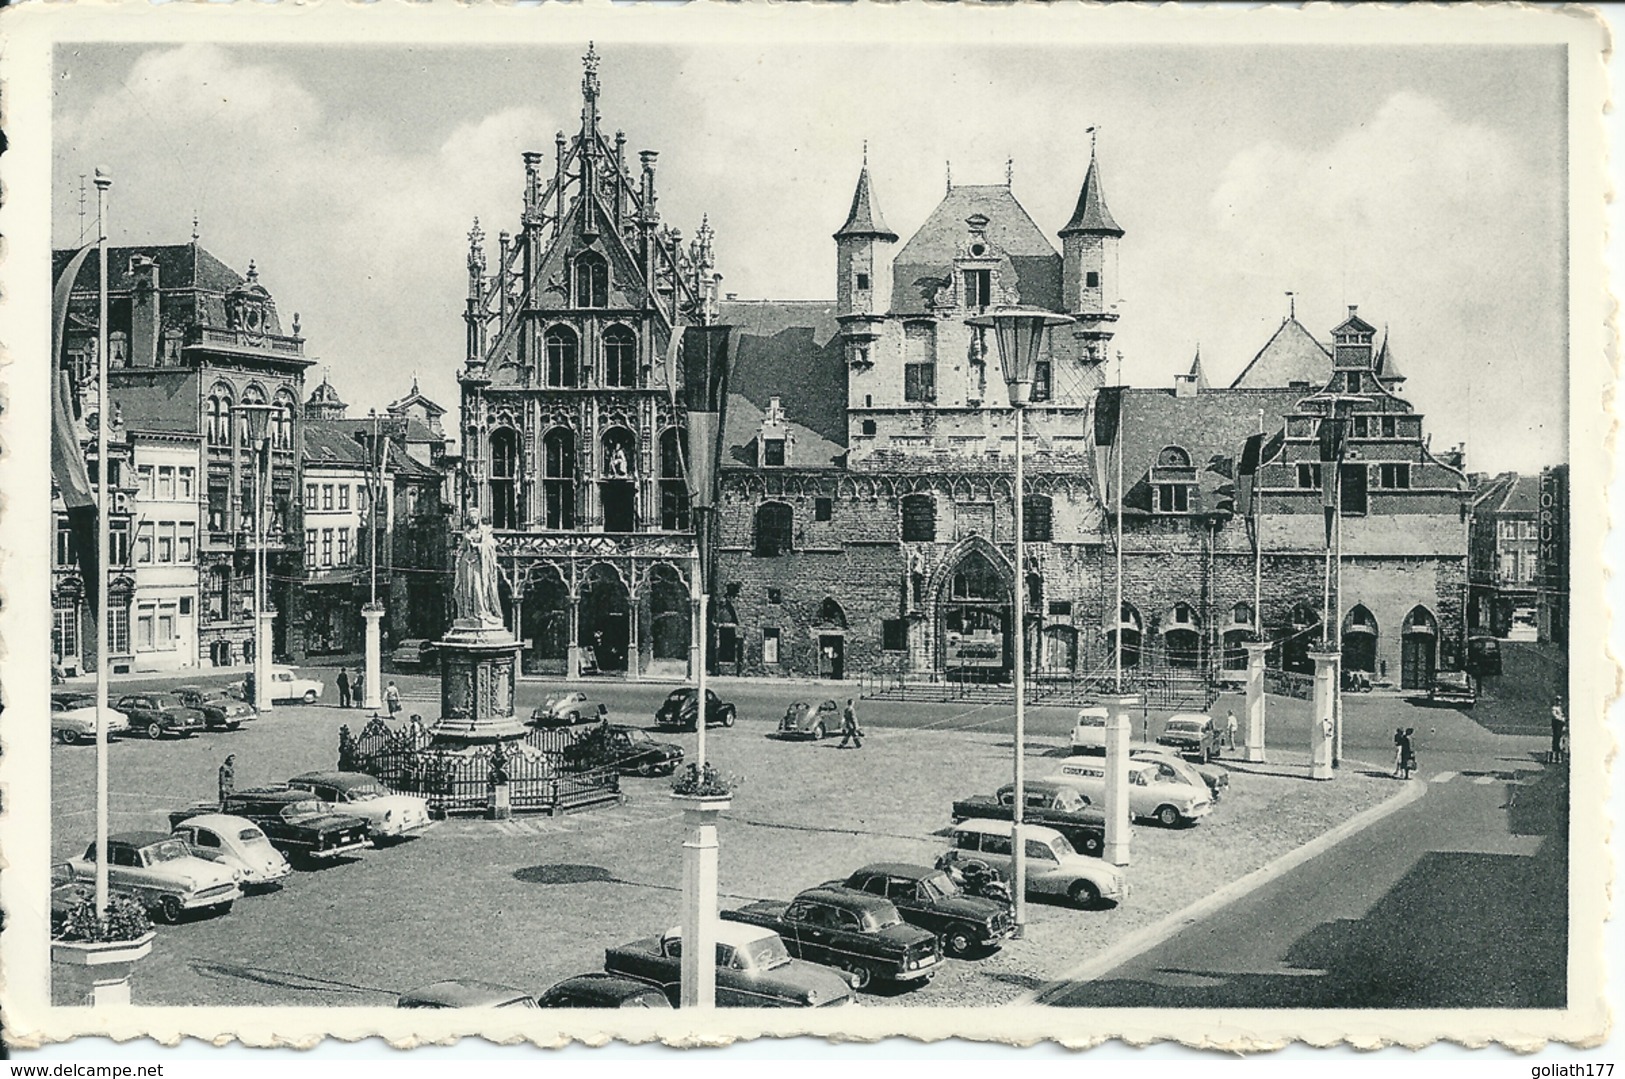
<point>702,803</point>
<point>98,972</point>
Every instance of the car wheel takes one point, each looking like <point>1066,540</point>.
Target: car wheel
<point>233,726</point>
<point>646,768</point>
<point>1093,845</point>
<point>67,738</point>
<point>170,909</point>
<point>818,732</point>
<point>959,941</point>
<point>154,731</point>
<point>1083,893</point>
<point>728,718</point>
<point>1168,816</point>
<point>310,696</point>
<point>858,975</point>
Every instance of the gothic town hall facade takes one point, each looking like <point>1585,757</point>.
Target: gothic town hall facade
<point>865,520</point>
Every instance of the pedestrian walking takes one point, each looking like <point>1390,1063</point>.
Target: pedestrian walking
<point>1231,725</point>
<point>392,697</point>
<point>850,731</point>
<point>1407,752</point>
<point>1399,749</point>
<point>1560,728</point>
<point>228,779</point>
<point>343,681</point>
<point>358,692</point>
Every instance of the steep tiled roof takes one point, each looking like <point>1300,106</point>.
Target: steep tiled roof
<point>930,252</point>
<point>1387,369</point>
<point>324,394</point>
<point>332,442</point>
<point>1091,214</point>
<point>1509,493</point>
<point>179,266</point>
<point>1291,355</point>
<point>864,218</point>
<point>791,350</point>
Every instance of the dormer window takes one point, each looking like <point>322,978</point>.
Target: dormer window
<point>1172,478</point>
<point>978,288</point>
<point>773,453</point>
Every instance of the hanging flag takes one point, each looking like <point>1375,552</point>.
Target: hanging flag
<point>1332,445</point>
<point>1108,418</point>
<point>67,456</point>
<point>1247,478</point>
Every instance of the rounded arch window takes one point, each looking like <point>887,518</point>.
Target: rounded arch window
<point>1241,614</point>
<point>563,352</point>
<point>1173,457</point>
<point>219,409</point>
<point>620,357</point>
<point>282,420</point>
<point>830,613</point>
<point>504,478</point>
<point>251,396</point>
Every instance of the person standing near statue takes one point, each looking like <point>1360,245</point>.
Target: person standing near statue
<point>358,689</point>
<point>343,681</point>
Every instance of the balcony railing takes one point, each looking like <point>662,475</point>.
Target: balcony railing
<point>270,342</point>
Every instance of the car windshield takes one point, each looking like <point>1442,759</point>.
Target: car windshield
<point>635,735</point>
<point>301,810</point>
<point>361,792</point>
<point>1069,801</point>
<point>767,953</point>
<point>1184,726</point>
<point>164,851</point>
<point>1062,847</point>
<point>1091,721</point>
<point>251,835</point>
<point>939,886</point>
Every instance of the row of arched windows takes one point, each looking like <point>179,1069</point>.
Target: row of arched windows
<point>617,473</point>
<point>561,354</point>
<point>220,416</point>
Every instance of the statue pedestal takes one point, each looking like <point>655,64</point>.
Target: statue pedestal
<point>477,665</point>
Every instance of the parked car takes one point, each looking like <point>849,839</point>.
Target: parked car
<point>413,653</point>
<point>1192,735</point>
<point>628,750</point>
<point>465,993</point>
<point>566,710</point>
<point>754,969</point>
<point>1483,656</point>
<point>1452,689</point>
<point>600,990</point>
<point>679,710</point>
<point>857,932</point>
<point>1149,795</point>
<point>801,720</point>
<point>1173,766</point>
<point>162,872</point>
<point>237,844</point>
<point>1053,867</point>
<point>1056,805</point>
<point>219,711</point>
<point>929,898</point>
<point>158,714</point>
<point>389,815</point>
<point>77,723</point>
<point>1089,732</point>
<point>295,823</point>
<point>284,685</point>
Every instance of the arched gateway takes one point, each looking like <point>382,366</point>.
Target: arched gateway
<point>973,620</point>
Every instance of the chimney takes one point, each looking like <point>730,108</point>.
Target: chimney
<point>1354,310</point>
<point>144,313</point>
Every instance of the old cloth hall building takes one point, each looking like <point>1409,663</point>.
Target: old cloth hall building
<point>866,511</point>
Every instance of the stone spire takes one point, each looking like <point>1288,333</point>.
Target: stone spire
<point>864,219</point>
<point>1091,215</point>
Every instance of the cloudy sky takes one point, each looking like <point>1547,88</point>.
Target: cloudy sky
<point>1425,184</point>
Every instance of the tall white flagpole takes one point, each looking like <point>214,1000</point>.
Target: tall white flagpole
<point>104,413</point>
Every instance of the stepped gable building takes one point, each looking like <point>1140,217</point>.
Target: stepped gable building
<point>189,339</point>
<point>571,438</point>
<point>867,511</point>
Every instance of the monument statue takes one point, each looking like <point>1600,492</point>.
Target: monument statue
<point>474,584</point>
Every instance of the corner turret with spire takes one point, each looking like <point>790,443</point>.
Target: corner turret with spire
<point>1089,262</point>
<point>862,255</point>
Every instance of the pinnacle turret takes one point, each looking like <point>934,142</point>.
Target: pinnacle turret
<point>864,220</point>
<point>1091,214</point>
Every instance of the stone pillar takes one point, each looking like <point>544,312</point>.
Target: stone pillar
<point>264,634</point>
<point>572,653</point>
<point>372,691</point>
<point>1257,703</point>
<point>1322,720</point>
<point>699,961</point>
<point>634,604</point>
<point>1119,731</point>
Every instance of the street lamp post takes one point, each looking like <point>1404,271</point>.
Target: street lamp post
<point>257,416</point>
<point>373,612</point>
<point>1019,332</point>
<point>104,409</point>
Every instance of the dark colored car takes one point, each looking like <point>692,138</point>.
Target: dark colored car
<point>628,750</point>
<point>859,933</point>
<point>1483,656</point>
<point>1191,735</point>
<point>294,821</point>
<point>600,990</point>
<point>465,993</point>
<point>1054,805</point>
<point>929,898</point>
<point>219,711</point>
<point>1452,689</point>
<point>679,710</point>
<point>158,714</point>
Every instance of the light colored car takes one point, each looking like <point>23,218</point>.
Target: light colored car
<point>1089,732</point>
<point>388,815</point>
<point>285,685</point>
<point>566,709</point>
<point>236,843</point>
<point>415,652</point>
<point>1149,794</point>
<point>161,871</point>
<point>1173,766</point>
<point>72,722</point>
<point>1053,867</point>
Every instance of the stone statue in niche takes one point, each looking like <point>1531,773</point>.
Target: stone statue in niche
<point>619,466</point>
<point>474,582</point>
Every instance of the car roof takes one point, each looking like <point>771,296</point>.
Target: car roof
<point>1194,717</point>
<point>606,986</point>
<point>139,838</point>
<point>219,821</point>
<point>1047,785</point>
<point>273,794</point>
<point>733,934</point>
<point>1099,713</point>
<point>335,779</point>
<point>845,897</point>
<point>1003,827</point>
<point>898,869</point>
<point>464,993</point>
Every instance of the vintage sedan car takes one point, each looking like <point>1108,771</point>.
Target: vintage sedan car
<point>802,720</point>
<point>628,750</point>
<point>1053,867</point>
<point>220,712</point>
<point>566,710</point>
<point>600,990</point>
<point>1172,766</point>
<point>754,969</point>
<point>236,843</point>
<point>284,685</point>
<point>158,714</point>
<point>1191,734</point>
<point>1452,689</point>
<point>413,653</point>
<point>860,933</point>
<point>465,993</point>
<point>680,709</point>
<point>1089,731</point>
<point>389,815</point>
<point>163,873</point>
<point>295,822</point>
<point>72,722</point>
<point>929,898</point>
<point>1149,794</point>
<point>1055,805</point>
